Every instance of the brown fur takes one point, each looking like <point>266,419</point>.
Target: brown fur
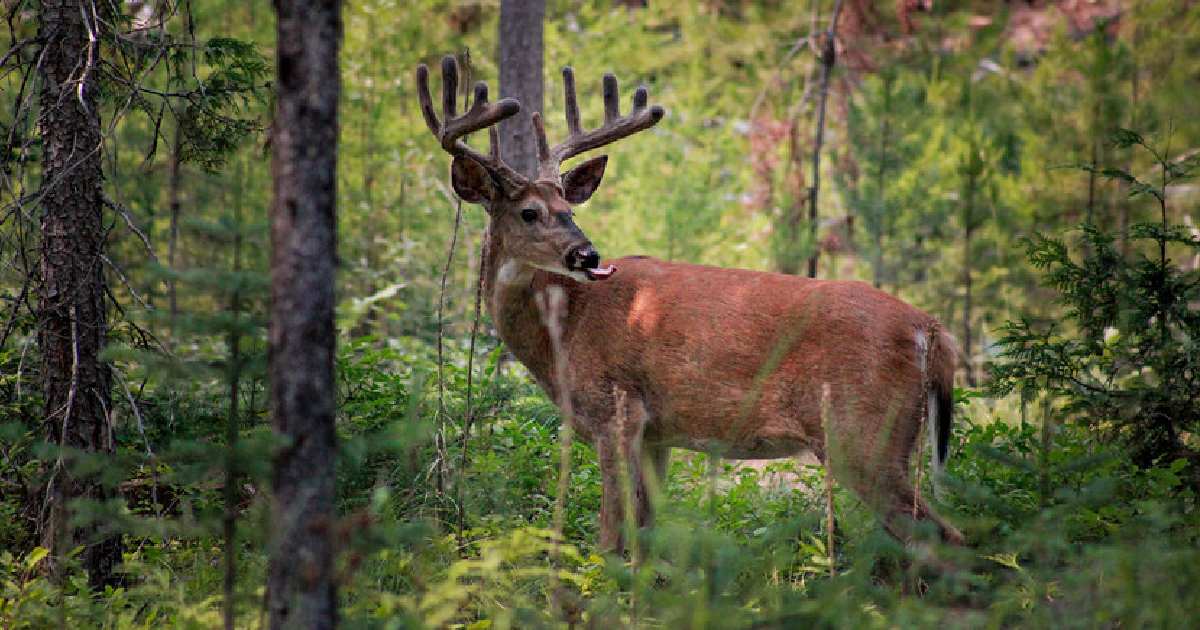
<point>732,362</point>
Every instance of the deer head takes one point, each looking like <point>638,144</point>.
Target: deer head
<point>532,220</point>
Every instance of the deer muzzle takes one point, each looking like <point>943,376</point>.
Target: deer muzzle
<point>586,259</point>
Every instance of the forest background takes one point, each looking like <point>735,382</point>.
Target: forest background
<point>966,147</point>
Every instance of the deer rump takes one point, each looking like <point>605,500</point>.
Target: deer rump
<point>735,363</point>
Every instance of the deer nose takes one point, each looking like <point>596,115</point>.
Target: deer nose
<point>583,257</point>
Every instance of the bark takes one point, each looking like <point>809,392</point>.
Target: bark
<point>71,317</point>
<point>301,589</point>
<point>521,78</point>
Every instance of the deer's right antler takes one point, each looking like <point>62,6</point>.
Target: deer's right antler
<point>482,115</point>
<point>614,128</point>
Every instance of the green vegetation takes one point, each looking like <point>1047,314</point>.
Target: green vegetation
<point>1025,181</point>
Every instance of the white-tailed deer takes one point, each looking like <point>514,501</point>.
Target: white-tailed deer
<point>725,361</point>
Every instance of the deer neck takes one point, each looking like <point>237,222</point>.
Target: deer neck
<point>511,289</point>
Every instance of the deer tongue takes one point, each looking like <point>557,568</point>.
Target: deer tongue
<point>600,273</point>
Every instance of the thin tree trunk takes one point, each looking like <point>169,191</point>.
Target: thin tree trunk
<point>828,58</point>
<point>968,232</point>
<point>1126,201</point>
<point>232,421</point>
<point>521,52</point>
<point>877,275</point>
<point>71,320</point>
<point>174,181</point>
<point>300,580</point>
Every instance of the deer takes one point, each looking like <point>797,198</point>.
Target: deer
<point>736,363</point>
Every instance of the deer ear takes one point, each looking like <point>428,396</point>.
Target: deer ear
<point>472,181</point>
<point>580,182</point>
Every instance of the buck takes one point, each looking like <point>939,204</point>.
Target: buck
<point>725,361</point>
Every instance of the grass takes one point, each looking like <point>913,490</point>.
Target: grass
<point>1064,531</point>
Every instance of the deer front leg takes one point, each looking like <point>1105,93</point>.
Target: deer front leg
<point>621,472</point>
<point>611,512</point>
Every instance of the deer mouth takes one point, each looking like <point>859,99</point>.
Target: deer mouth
<point>599,273</point>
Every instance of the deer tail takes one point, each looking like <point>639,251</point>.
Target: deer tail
<point>940,392</point>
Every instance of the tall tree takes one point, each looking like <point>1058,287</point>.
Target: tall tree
<point>521,52</point>
<point>71,319</point>
<point>301,351</point>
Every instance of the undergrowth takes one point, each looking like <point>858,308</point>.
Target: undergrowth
<point>1063,530</point>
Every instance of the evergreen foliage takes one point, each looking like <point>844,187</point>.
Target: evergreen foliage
<point>1124,357</point>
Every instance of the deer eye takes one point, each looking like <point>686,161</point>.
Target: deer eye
<point>529,215</point>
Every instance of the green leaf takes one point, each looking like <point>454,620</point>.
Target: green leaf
<point>1126,138</point>
<point>36,556</point>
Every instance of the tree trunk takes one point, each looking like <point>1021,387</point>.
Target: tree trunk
<point>71,319</point>
<point>521,78</point>
<point>828,58</point>
<point>881,210</point>
<point>300,581</point>
<point>233,420</point>
<point>174,184</point>
<point>968,297</point>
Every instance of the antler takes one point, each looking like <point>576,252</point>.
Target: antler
<point>614,128</point>
<point>482,114</point>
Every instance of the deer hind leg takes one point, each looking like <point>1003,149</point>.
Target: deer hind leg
<point>651,482</point>
<point>907,512</point>
<point>877,471</point>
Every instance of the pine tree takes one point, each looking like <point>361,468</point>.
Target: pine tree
<point>301,588</point>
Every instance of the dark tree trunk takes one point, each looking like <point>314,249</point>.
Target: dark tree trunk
<point>968,297</point>
<point>828,58</point>
<point>71,319</point>
<point>301,591</point>
<point>521,78</point>
<point>174,184</point>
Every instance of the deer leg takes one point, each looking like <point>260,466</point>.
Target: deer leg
<point>881,480</point>
<point>611,512</point>
<point>909,510</point>
<point>652,481</point>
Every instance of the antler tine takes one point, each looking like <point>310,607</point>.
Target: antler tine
<point>612,109</point>
<point>572,105</point>
<point>481,114</point>
<point>614,128</point>
<point>539,133</point>
<point>427,101</point>
<point>449,86</point>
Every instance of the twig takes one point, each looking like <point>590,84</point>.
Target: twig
<point>469,413</point>
<point>137,413</point>
<point>120,209</point>
<point>551,305</point>
<point>829,517</point>
<point>125,281</point>
<point>12,316</point>
<point>439,436</point>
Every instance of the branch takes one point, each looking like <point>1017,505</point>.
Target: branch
<point>111,203</point>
